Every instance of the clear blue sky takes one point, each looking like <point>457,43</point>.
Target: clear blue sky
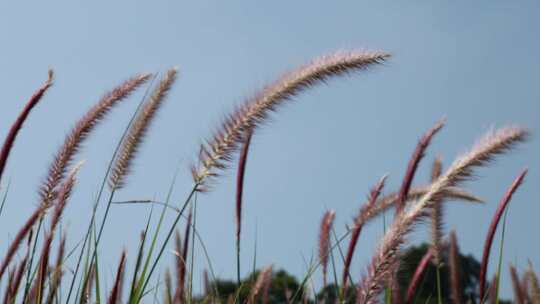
<point>474,62</point>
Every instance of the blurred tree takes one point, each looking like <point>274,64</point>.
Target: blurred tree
<point>284,285</point>
<point>427,290</point>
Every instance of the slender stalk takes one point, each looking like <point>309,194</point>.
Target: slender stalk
<point>19,238</point>
<point>455,269</point>
<point>192,262</point>
<point>334,271</point>
<point>365,212</point>
<point>181,295</point>
<point>501,251</point>
<point>316,265</point>
<point>131,143</point>
<point>101,189</point>
<point>58,272</point>
<point>4,198</point>
<point>439,292</point>
<point>167,238</point>
<point>29,276</point>
<point>113,298</point>
<point>139,257</point>
<point>239,197</point>
<point>137,288</point>
<point>417,276</point>
<point>493,227</point>
<point>94,256</point>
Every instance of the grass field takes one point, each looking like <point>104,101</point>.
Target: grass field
<point>40,266</point>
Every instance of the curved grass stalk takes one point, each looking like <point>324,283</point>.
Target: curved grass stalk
<point>195,231</point>
<point>18,124</point>
<point>385,258</point>
<point>324,241</point>
<point>242,162</point>
<point>417,276</point>
<point>492,229</point>
<point>100,193</point>
<point>136,289</point>
<point>130,146</point>
<point>217,153</point>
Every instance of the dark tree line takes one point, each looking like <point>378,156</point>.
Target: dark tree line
<point>284,287</point>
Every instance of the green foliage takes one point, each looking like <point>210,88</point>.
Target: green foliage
<point>282,286</point>
<point>470,269</point>
<point>427,291</point>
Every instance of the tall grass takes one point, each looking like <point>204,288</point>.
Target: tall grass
<point>46,283</point>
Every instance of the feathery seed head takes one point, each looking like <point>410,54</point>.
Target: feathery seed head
<point>436,215</point>
<point>18,124</point>
<point>324,240</point>
<point>263,279</point>
<point>138,130</point>
<point>217,152</point>
<point>455,268</point>
<point>417,156</point>
<point>534,283</point>
<point>80,132</point>
<point>491,145</point>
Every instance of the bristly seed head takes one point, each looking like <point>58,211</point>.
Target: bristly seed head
<point>80,132</point>
<point>324,240</point>
<point>217,152</point>
<point>491,145</point>
<point>138,130</point>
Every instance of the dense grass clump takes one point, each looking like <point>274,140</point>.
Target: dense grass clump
<point>434,273</point>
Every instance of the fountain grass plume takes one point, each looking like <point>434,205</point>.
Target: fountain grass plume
<point>519,293</point>
<point>385,258</point>
<point>15,281</point>
<point>80,132</point>
<point>417,276</point>
<point>138,130</point>
<point>216,153</point>
<point>436,215</point>
<point>19,237</point>
<point>324,241</point>
<point>534,283</point>
<point>263,279</point>
<point>454,269</point>
<point>412,167</point>
<point>63,198</point>
<point>525,287</point>
<point>364,214</point>
<point>18,124</point>
<point>180,265</point>
<point>493,228</point>
<point>115,292</point>
<point>58,271</point>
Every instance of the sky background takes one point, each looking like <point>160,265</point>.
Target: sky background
<point>475,63</point>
